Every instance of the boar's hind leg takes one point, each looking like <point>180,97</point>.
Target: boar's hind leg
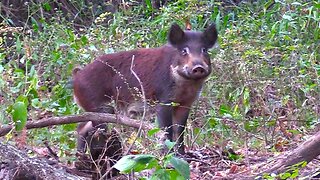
<point>180,116</point>
<point>84,128</point>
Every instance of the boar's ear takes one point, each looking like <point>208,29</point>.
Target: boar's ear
<point>210,36</point>
<point>176,35</point>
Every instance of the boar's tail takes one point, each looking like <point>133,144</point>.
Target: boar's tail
<point>69,84</point>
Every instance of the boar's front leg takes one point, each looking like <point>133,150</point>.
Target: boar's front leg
<point>164,117</point>
<point>180,116</point>
<point>82,130</point>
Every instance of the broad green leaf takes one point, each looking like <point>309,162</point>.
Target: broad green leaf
<point>161,174</point>
<point>181,166</point>
<point>149,164</point>
<point>144,158</point>
<point>166,174</point>
<point>174,174</point>
<point>125,164</point>
<point>19,115</point>
<point>135,162</point>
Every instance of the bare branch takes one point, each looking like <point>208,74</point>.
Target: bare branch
<point>87,116</point>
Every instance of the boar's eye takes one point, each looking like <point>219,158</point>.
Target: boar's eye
<point>185,51</point>
<point>204,50</point>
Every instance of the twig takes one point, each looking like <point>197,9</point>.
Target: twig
<point>197,160</point>
<point>55,156</point>
<point>143,115</point>
<point>144,104</point>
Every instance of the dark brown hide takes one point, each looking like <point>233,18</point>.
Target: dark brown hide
<point>174,72</point>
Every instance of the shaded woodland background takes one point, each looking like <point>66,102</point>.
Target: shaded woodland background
<point>262,98</point>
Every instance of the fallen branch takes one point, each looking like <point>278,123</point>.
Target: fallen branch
<point>87,116</point>
<point>305,152</point>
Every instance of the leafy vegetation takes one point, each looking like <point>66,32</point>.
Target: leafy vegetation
<point>263,93</point>
<point>141,162</point>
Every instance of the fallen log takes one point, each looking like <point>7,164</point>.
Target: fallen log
<point>87,116</point>
<point>305,152</point>
<point>16,164</point>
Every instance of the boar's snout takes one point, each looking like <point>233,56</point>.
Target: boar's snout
<point>199,71</point>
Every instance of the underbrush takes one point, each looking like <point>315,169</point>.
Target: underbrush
<point>263,92</point>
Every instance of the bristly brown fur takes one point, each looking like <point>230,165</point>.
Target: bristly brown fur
<point>174,72</point>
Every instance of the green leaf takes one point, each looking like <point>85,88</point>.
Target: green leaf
<point>166,174</point>
<point>285,175</point>
<point>136,163</point>
<point>19,115</point>
<point>169,144</point>
<point>35,25</point>
<point>149,5</point>
<point>174,174</point>
<point>69,127</point>
<point>224,109</point>
<point>161,174</point>
<point>267,5</point>
<point>35,103</point>
<point>213,122</point>
<point>251,126</point>
<point>84,40</point>
<point>71,35</point>
<point>46,6</point>
<point>23,99</point>
<point>181,166</point>
<point>153,131</point>
<point>125,164</point>
<point>217,22</point>
<point>18,45</point>
<point>294,174</point>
